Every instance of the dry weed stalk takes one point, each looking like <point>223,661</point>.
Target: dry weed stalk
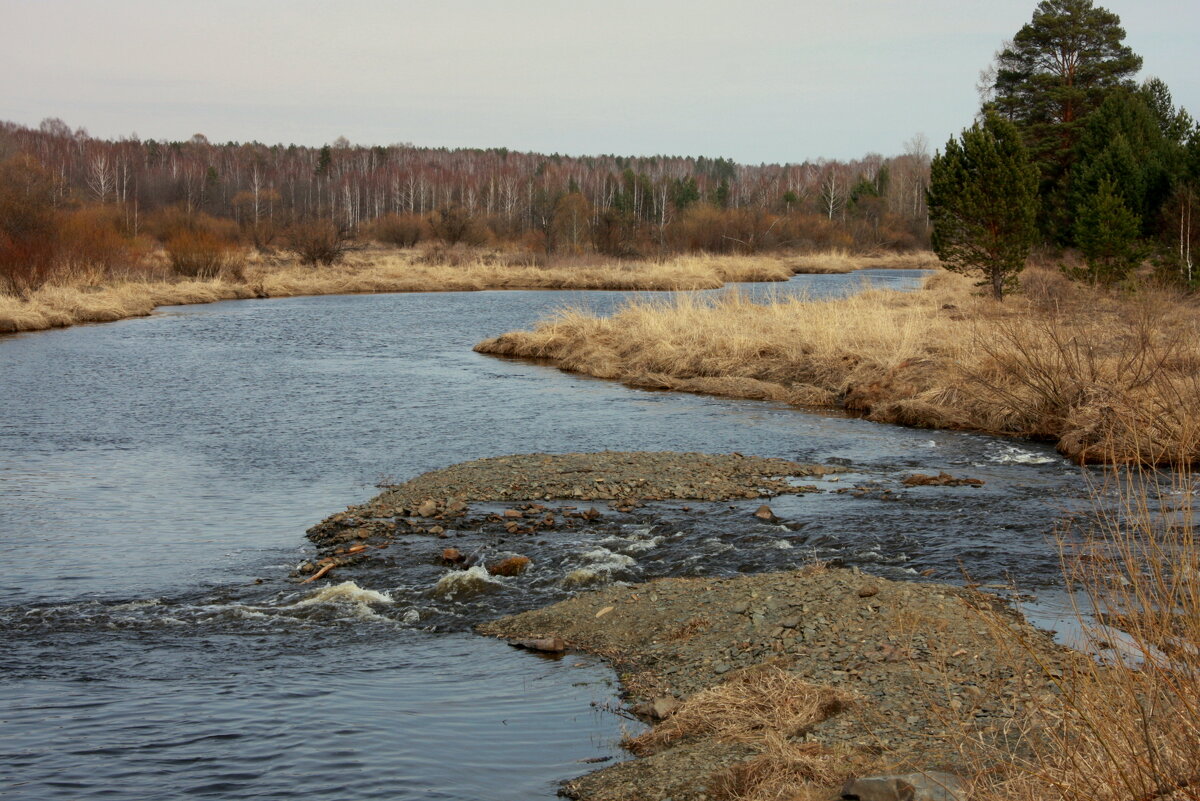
<point>1126,725</point>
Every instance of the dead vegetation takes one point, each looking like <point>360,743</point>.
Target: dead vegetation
<point>1108,377</point>
<point>755,704</point>
<point>1126,726</point>
<point>194,270</point>
<point>844,261</point>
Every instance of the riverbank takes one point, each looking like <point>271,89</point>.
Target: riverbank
<point>787,685</point>
<point>1107,377</point>
<point>760,686</point>
<point>87,298</point>
<point>839,261</point>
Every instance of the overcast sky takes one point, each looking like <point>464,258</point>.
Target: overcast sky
<point>755,80</point>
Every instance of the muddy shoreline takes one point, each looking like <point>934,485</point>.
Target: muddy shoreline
<point>915,669</point>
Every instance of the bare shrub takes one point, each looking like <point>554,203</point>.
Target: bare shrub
<point>28,225</point>
<point>172,220</point>
<point>1125,726</point>
<point>1048,290</point>
<point>92,239</point>
<point>320,241</point>
<point>454,224</point>
<point>1111,385</point>
<point>398,230</point>
<point>199,254</point>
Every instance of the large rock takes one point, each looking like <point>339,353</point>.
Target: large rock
<point>512,566</point>
<point>929,786</point>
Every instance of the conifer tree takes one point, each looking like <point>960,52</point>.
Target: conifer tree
<point>982,203</point>
<point>1107,232</point>
<point>1058,70</point>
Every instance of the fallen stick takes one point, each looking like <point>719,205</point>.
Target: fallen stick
<point>319,573</point>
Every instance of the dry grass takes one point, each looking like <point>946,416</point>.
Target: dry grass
<point>1108,377</point>
<point>754,704</point>
<point>771,709</point>
<point>789,771</point>
<point>842,261</point>
<point>1126,727</point>
<point>84,297</point>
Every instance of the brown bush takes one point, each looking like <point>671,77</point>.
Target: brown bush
<point>399,230</point>
<point>454,224</point>
<point>320,241</point>
<point>168,222</point>
<point>201,254</point>
<point>92,238</point>
<point>28,225</point>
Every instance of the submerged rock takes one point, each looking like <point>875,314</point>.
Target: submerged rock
<point>940,480</point>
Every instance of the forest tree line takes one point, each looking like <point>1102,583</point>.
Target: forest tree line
<point>69,198</point>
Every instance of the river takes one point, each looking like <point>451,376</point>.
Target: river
<point>157,476</point>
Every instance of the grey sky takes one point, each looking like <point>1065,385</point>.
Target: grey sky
<point>758,80</point>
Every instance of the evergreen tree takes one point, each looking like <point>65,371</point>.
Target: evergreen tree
<point>1122,142</point>
<point>324,159</point>
<point>1059,68</point>
<point>982,201</point>
<point>1107,232</point>
<point>721,196</point>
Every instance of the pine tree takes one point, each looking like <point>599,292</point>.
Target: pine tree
<point>1058,70</point>
<point>1122,141</point>
<point>982,203</point>
<point>1107,232</point>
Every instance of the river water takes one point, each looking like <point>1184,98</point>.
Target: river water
<point>157,476</point>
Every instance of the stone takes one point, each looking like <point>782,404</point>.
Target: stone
<point>764,513</point>
<point>868,591</point>
<point>663,707</point>
<point>427,509</point>
<point>512,566</point>
<point>511,513</point>
<point>453,556</point>
<point>547,645</point>
<point>929,786</point>
<point>940,480</point>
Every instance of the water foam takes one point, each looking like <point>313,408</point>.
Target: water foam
<point>472,581</point>
<point>1015,455</point>
<point>604,559</point>
<point>346,592</point>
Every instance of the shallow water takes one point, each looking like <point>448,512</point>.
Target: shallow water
<point>152,470</point>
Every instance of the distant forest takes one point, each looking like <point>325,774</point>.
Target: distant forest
<point>257,194</point>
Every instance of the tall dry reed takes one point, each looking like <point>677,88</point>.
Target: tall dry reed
<point>1125,726</point>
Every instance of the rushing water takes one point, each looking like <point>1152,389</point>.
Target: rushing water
<point>157,475</point>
